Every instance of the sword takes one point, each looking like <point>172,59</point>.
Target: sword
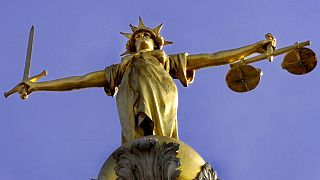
<point>21,87</point>
<point>23,92</point>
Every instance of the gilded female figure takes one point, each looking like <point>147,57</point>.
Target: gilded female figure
<point>147,97</point>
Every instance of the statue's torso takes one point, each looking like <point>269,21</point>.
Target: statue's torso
<point>147,87</point>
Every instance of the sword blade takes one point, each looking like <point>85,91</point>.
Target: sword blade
<point>28,57</point>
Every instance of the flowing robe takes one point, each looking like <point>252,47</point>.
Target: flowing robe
<point>144,84</point>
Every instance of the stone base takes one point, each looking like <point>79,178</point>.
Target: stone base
<point>156,158</point>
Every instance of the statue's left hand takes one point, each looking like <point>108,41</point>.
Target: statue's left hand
<point>264,45</point>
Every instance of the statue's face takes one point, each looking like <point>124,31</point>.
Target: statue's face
<point>144,41</point>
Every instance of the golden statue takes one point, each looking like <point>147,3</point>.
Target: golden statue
<point>147,97</point>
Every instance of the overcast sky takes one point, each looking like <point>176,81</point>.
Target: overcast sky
<point>271,132</point>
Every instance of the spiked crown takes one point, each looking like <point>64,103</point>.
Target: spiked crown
<point>155,35</point>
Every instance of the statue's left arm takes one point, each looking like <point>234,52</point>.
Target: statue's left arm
<point>198,61</point>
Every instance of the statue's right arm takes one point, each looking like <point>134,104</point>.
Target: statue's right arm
<point>93,79</point>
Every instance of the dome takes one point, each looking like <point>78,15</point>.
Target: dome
<point>177,158</point>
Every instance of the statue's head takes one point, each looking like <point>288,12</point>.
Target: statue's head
<point>143,37</point>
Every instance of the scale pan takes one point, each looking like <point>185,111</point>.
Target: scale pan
<point>299,61</point>
<point>243,78</point>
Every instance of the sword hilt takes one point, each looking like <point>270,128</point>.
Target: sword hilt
<point>17,88</point>
<point>37,77</point>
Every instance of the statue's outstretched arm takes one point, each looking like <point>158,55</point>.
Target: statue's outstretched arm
<point>199,61</point>
<point>93,79</point>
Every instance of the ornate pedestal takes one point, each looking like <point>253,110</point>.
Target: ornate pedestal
<point>156,158</point>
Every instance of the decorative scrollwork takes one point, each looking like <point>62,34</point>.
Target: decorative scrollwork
<point>207,173</point>
<point>147,159</point>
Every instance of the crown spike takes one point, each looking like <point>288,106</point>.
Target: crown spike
<point>127,35</point>
<point>158,29</point>
<point>133,28</point>
<point>141,24</point>
<point>167,42</point>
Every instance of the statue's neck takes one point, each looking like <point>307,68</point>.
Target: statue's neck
<point>145,50</point>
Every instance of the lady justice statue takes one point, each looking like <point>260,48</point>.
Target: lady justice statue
<point>147,97</point>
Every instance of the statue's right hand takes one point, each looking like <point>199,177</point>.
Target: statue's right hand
<point>24,89</point>
<point>27,87</point>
